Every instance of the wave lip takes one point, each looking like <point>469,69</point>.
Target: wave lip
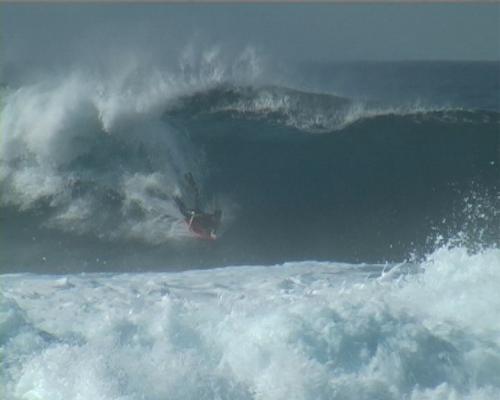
<point>313,112</point>
<point>308,111</point>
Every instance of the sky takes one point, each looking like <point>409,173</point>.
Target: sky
<point>55,34</point>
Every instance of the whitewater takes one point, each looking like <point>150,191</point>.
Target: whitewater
<point>307,330</point>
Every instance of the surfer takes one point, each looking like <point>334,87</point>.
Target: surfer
<point>201,223</point>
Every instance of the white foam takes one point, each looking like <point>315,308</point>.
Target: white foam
<point>297,331</point>
<point>51,126</point>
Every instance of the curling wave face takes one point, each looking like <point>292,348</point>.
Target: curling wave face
<point>100,159</point>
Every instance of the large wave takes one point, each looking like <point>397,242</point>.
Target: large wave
<point>100,156</point>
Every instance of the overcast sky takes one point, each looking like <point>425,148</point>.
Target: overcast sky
<point>56,33</point>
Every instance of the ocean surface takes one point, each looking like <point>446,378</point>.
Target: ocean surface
<point>359,251</point>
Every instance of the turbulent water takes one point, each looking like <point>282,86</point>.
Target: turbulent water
<point>386,175</point>
<point>305,330</point>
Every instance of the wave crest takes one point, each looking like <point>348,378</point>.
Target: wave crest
<point>306,111</point>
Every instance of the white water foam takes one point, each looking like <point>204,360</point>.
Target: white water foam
<point>71,130</point>
<point>296,331</point>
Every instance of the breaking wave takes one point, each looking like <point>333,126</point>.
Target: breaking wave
<point>308,111</point>
<point>94,152</point>
<point>300,330</point>
<point>102,158</point>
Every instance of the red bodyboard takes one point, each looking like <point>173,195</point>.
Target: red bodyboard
<point>199,233</point>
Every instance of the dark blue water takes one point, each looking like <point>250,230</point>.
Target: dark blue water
<point>366,162</point>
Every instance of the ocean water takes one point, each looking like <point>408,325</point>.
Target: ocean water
<point>358,257</point>
<point>90,162</point>
<point>306,330</point>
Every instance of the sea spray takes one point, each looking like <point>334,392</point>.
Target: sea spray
<point>299,330</point>
<point>81,143</point>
